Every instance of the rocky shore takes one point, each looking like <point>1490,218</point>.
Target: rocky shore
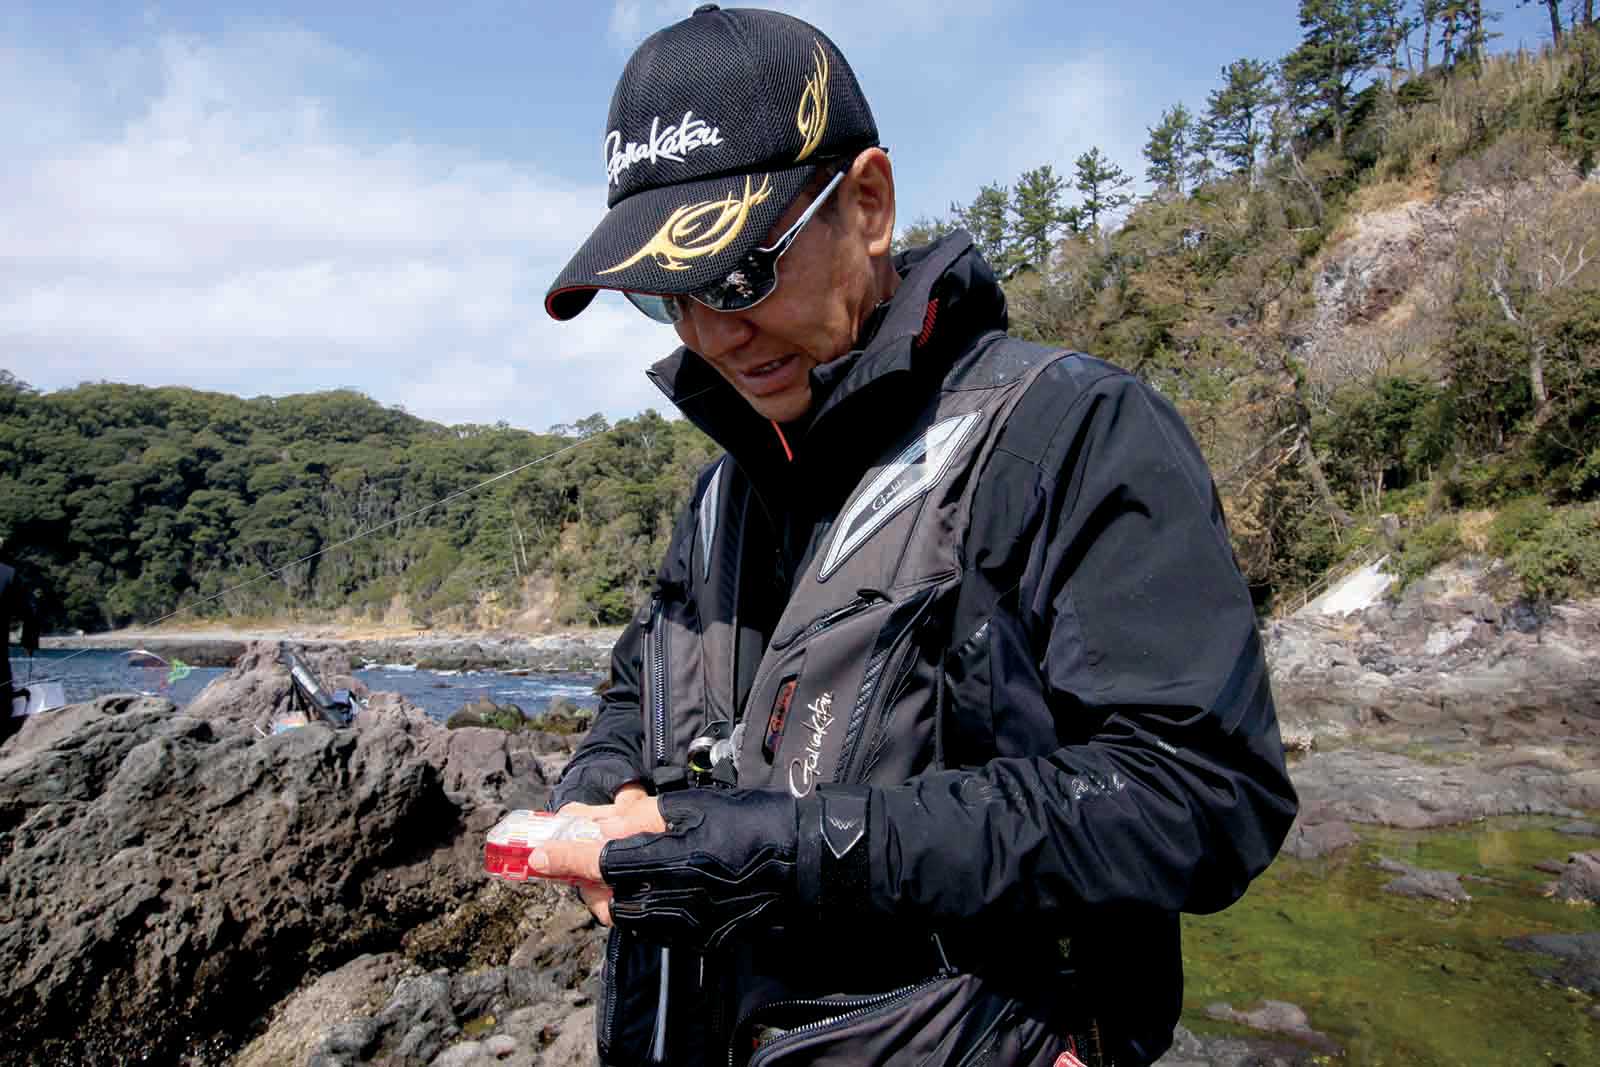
<point>176,887</point>
<point>573,650</point>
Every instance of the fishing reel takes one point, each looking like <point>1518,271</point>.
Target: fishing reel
<point>710,764</point>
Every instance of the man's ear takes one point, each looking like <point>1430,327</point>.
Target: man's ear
<point>869,200</point>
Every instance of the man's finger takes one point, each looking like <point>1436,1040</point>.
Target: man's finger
<point>572,861</point>
<point>598,900</point>
<point>586,811</point>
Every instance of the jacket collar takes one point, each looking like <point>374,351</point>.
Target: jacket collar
<point>947,293</point>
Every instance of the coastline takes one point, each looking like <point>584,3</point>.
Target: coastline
<point>220,646</point>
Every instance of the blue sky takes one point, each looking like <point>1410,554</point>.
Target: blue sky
<point>266,200</point>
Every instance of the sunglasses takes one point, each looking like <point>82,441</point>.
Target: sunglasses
<point>751,282</point>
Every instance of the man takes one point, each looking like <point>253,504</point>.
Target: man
<point>16,608</point>
<point>949,697</point>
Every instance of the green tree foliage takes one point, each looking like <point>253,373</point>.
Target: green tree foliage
<point>923,231</point>
<point>126,504</point>
<point>1103,186</point>
<point>1170,150</point>
<point>1236,113</point>
<point>988,219</point>
<point>1211,288</point>
<point>1039,214</point>
<point>1342,40</point>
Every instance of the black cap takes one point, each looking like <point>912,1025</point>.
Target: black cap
<point>716,125</point>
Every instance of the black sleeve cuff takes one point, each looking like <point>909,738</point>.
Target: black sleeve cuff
<point>834,875</point>
<point>591,782</point>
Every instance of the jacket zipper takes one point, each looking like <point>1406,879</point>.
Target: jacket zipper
<point>857,1008</point>
<point>864,598</point>
<point>656,652</point>
<point>613,954</point>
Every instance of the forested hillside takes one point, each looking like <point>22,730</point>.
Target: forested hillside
<point>1368,273</point>
<point>126,503</point>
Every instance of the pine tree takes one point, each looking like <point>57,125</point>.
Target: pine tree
<point>1039,214</point>
<point>1102,184</point>
<point>986,220</point>
<point>1431,12</point>
<point>1236,113</point>
<point>1341,42</point>
<point>1169,149</point>
<point>1394,28</point>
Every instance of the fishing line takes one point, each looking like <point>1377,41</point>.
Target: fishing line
<point>352,539</point>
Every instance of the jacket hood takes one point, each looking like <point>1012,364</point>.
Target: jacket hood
<point>948,294</point>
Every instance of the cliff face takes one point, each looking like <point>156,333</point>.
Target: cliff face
<point>1447,661</point>
<point>1381,288</point>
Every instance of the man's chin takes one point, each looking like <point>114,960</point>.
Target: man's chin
<point>782,407</point>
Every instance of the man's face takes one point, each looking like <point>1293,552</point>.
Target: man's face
<point>825,291</point>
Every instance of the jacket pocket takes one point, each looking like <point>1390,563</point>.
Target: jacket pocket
<point>949,1021</point>
<point>820,694</point>
<point>672,694</point>
<point>652,1006</point>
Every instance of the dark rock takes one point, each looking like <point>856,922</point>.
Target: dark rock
<point>331,1014</point>
<point>168,876</point>
<point>1579,956</point>
<point>1192,1050</point>
<point>1365,786</point>
<point>1276,1017</point>
<point>1444,657</point>
<point>1580,879</point>
<point>565,717</point>
<point>485,712</point>
<point>446,1016</point>
<point>257,690</point>
<point>206,868</point>
<point>1319,839</point>
<point>1423,884</point>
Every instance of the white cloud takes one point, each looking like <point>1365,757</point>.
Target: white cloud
<point>194,214</point>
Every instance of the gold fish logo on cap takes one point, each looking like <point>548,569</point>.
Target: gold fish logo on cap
<point>812,117</point>
<point>697,230</point>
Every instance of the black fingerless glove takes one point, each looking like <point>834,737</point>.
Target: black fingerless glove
<point>739,860</point>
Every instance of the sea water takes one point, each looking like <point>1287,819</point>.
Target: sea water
<point>96,672</point>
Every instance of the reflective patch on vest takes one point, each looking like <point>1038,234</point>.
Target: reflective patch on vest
<point>708,519</point>
<point>912,474</point>
<point>778,717</point>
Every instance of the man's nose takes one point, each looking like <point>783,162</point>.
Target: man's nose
<point>715,333</point>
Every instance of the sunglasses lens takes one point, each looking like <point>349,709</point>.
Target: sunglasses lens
<point>663,309</point>
<point>745,287</point>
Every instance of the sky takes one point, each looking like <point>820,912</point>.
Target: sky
<point>273,199</point>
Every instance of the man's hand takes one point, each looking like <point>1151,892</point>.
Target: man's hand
<point>726,857</point>
<point>632,811</point>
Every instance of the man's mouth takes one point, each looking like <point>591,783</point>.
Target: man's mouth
<point>764,369</point>
<point>772,375</point>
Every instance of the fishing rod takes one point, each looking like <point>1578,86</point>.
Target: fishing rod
<point>348,541</point>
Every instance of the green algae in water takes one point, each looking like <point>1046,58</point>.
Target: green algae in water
<point>1401,981</point>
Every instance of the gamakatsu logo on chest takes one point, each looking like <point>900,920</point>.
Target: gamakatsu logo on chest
<point>803,769</point>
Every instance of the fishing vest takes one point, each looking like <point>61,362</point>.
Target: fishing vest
<point>849,688</point>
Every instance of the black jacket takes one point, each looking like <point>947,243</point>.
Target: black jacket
<point>1111,747</point>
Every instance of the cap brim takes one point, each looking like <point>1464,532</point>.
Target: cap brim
<point>678,238</point>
